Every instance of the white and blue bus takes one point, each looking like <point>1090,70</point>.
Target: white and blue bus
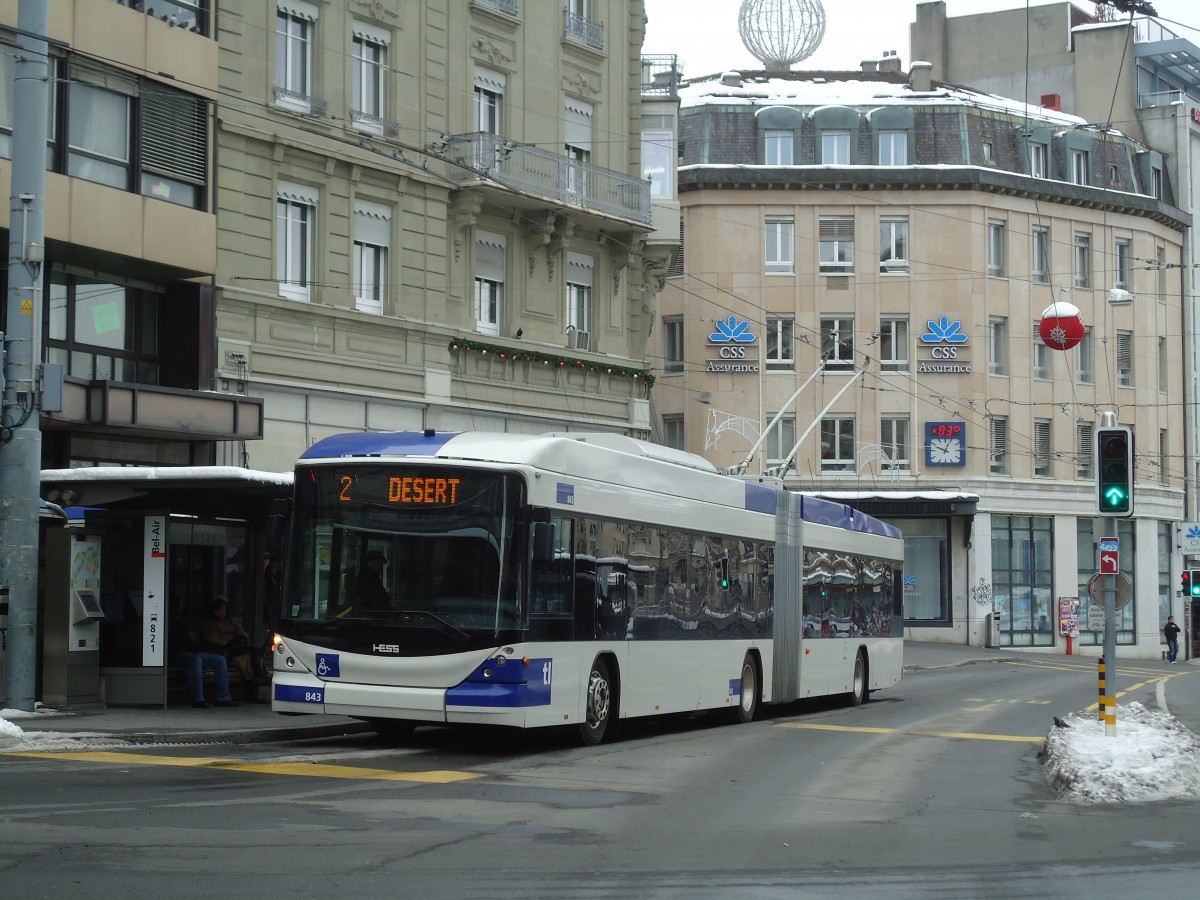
<point>570,580</point>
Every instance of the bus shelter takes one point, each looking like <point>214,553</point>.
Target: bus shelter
<point>145,549</point>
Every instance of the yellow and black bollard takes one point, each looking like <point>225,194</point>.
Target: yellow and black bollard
<point>1100,675</point>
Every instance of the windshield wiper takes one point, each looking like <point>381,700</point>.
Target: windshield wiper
<point>405,616</point>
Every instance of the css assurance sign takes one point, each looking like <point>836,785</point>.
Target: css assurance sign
<point>733,345</point>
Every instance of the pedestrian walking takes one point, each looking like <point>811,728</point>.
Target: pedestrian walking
<point>1171,633</point>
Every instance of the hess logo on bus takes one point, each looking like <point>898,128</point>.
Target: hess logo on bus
<point>385,648</point>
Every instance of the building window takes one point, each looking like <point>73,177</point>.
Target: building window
<point>1124,254</point>
<point>837,342</point>
<point>1124,359</point>
<point>1156,190</point>
<point>1084,451</point>
<point>577,144</point>
<point>777,147</point>
<point>672,344</point>
<point>997,346</point>
<point>1114,176</point>
<point>1079,167</point>
<point>989,154</point>
<point>1039,263</point>
<point>372,238</point>
<point>1160,274</point>
<point>1041,356</point>
<point>1162,365</point>
<point>658,159</point>
<point>673,432</point>
<point>102,330</point>
<point>893,245</point>
<point>998,445</point>
<point>837,444</point>
<point>995,249</point>
<point>781,245</point>
<point>295,22</point>
<point>836,238</point>
<point>489,114</point>
<point>780,343</point>
<point>1023,579</point>
<point>1084,373</point>
<point>1164,458</point>
<point>894,444</point>
<point>835,148</point>
<point>675,270</point>
<point>99,122</point>
<point>491,267</point>
<point>295,218</point>
<point>893,345</point>
<point>893,148</point>
<point>579,299</point>
<point>1037,160</point>
<point>368,101</point>
<point>780,440</point>
<point>1043,449</point>
<point>1083,260</point>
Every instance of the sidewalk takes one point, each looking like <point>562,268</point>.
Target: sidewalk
<point>257,723</point>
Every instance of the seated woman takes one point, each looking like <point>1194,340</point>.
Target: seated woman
<point>227,637</point>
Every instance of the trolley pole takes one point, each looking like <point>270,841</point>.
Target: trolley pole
<point>20,428</point>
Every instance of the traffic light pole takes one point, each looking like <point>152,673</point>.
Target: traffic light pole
<point>1110,641</point>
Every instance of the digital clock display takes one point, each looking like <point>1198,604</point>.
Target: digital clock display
<point>945,429</point>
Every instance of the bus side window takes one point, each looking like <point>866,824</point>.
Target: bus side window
<point>551,581</point>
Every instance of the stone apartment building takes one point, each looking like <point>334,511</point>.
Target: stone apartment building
<point>432,215</point>
<point>866,260</point>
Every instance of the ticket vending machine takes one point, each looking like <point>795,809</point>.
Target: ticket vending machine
<point>71,615</point>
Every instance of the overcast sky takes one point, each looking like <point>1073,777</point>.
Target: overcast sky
<point>704,33</point>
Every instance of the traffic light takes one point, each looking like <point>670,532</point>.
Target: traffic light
<point>1186,578</point>
<point>1192,585</point>
<point>1114,471</point>
<point>723,572</point>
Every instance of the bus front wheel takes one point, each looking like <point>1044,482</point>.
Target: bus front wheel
<point>598,708</point>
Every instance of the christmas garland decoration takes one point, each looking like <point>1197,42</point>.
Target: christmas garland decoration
<point>550,359</point>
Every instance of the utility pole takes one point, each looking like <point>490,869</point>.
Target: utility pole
<point>20,428</point>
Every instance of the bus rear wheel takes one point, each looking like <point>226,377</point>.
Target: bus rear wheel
<point>859,694</point>
<point>392,729</point>
<point>598,708</point>
<point>747,707</point>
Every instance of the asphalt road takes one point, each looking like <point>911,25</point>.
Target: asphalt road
<point>934,788</point>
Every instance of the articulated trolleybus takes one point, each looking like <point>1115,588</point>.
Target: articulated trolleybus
<point>570,580</point>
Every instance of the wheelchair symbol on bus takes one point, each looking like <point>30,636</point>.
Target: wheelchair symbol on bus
<point>328,665</point>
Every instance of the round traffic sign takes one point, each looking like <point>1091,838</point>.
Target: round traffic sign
<point>1124,589</point>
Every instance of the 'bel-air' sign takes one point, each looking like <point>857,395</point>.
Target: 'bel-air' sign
<point>730,340</point>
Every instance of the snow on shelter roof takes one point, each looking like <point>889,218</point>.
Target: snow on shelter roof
<point>146,474</point>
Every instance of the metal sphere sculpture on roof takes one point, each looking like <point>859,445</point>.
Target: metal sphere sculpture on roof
<point>780,33</point>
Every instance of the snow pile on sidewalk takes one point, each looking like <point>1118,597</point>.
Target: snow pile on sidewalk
<point>15,739</point>
<point>1151,757</point>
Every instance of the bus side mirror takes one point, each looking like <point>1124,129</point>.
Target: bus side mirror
<point>543,541</point>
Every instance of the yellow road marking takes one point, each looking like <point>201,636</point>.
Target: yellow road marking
<point>961,735</point>
<point>319,770</point>
<point>311,770</point>
<point>1136,687</point>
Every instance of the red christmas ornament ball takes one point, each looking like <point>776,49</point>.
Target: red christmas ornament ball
<point>1061,332</point>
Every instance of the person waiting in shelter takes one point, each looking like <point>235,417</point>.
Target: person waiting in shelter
<point>228,638</point>
<point>182,653</point>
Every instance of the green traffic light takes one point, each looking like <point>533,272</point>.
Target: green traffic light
<point>1116,497</point>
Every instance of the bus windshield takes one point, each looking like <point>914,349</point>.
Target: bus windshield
<point>400,543</point>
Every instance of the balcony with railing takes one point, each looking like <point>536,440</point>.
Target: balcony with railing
<point>510,8</point>
<point>552,176</point>
<point>582,30</point>
<point>661,75</point>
